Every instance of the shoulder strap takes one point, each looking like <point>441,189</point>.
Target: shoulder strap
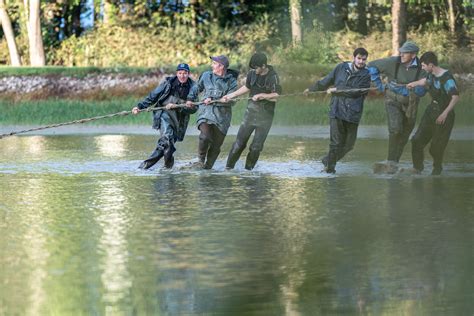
<point>397,67</point>
<point>418,68</point>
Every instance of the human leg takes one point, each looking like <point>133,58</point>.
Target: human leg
<point>439,142</point>
<point>261,133</point>
<point>243,135</point>
<point>421,138</point>
<point>217,139</point>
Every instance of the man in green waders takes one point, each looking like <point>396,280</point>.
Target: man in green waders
<point>263,86</point>
<point>172,121</point>
<point>401,103</point>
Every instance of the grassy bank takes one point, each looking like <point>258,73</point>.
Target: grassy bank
<point>291,111</point>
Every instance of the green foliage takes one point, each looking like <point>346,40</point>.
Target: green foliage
<point>318,47</point>
<point>118,45</point>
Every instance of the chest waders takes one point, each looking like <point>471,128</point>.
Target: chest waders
<point>401,115</point>
<point>168,125</point>
<point>429,131</point>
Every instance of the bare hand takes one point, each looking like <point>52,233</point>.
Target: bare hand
<point>410,85</point>
<point>225,99</point>
<point>207,101</point>
<point>306,92</point>
<point>170,106</point>
<point>135,110</point>
<point>331,90</point>
<point>189,104</point>
<point>257,97</point>
<point>442,118</point>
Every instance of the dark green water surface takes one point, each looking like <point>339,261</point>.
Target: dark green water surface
<point>84,232</point>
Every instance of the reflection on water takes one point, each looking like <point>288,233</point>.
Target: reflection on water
<point>82,231</point>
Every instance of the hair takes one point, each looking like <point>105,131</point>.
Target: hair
<point>360,51</point>
<point>258,60</point>
<point>429,58</point>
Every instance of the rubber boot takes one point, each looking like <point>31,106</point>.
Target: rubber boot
<point>234,155</point>
<point>169,159</point>
<point>152,160</point>
<point>251,160</point>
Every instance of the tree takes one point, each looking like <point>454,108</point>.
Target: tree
<point>295,14</point>
<point>399,24</point>
<point>9,35</point>
<point>33,26</point>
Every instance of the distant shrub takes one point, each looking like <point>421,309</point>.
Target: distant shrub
<point>318,47</point>
<point>147,47</point>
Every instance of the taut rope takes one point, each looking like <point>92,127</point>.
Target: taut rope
<point>181,105</point>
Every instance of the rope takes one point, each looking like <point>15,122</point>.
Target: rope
<point>181,105</point>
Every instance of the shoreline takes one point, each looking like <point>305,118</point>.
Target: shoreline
<point>305,131</point>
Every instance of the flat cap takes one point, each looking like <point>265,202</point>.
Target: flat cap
<point>409,47</point>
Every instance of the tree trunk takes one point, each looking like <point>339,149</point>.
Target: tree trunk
<point>399,24</point>
<point>35,38</point>
<point>451,17</point>
<point>295,14</point>
<point>362,17</point>
<point>9,35</point>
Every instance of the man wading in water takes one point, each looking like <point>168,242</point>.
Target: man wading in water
<point>172,122</point>
<point>346,106</point>
<point>264,86</point>
<point>401,104</point>
<point>214,116</point>
<point>438,120</point>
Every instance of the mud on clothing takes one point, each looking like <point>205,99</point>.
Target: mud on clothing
<point>258,117</point>
<point>441,89</point>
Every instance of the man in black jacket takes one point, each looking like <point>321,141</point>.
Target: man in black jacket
<point>348,83</point>
<point>172,121</point>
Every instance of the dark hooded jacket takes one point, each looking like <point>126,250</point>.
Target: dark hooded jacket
<point>161,96</point>
<point>346,106</point>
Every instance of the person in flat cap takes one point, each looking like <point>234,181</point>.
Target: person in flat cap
<point>401,103</point>
<point>171,121</point>
<point>214,116</point>
<point>263,86</point>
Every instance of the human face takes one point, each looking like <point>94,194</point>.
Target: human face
<point>217,68</point>
<point>407,57</point>
<point>427,67</point>
<point>261,70</point>
<point>360,61</point>
<point>182,75</point>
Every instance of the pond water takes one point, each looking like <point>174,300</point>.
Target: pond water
<point>83,231</point>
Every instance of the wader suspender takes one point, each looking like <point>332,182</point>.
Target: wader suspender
<point>418,70</point>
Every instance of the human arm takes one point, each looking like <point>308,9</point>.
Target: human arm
<point>442,117</point>
<point>355,88</point>
<point>242,90</point>
<point>266,96</point>
<point>324,83</point>
<point>421,82</point>
<point>151,99</point>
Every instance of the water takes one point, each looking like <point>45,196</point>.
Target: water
<point>83,231</point>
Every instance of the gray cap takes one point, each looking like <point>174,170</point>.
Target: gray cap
<point>409,47</point>
<point>222,59</point>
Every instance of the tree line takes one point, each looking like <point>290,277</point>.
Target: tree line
<point>44,25</point>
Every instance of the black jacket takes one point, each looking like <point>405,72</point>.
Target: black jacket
<point>346,106</point>
<point>160,95</point>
